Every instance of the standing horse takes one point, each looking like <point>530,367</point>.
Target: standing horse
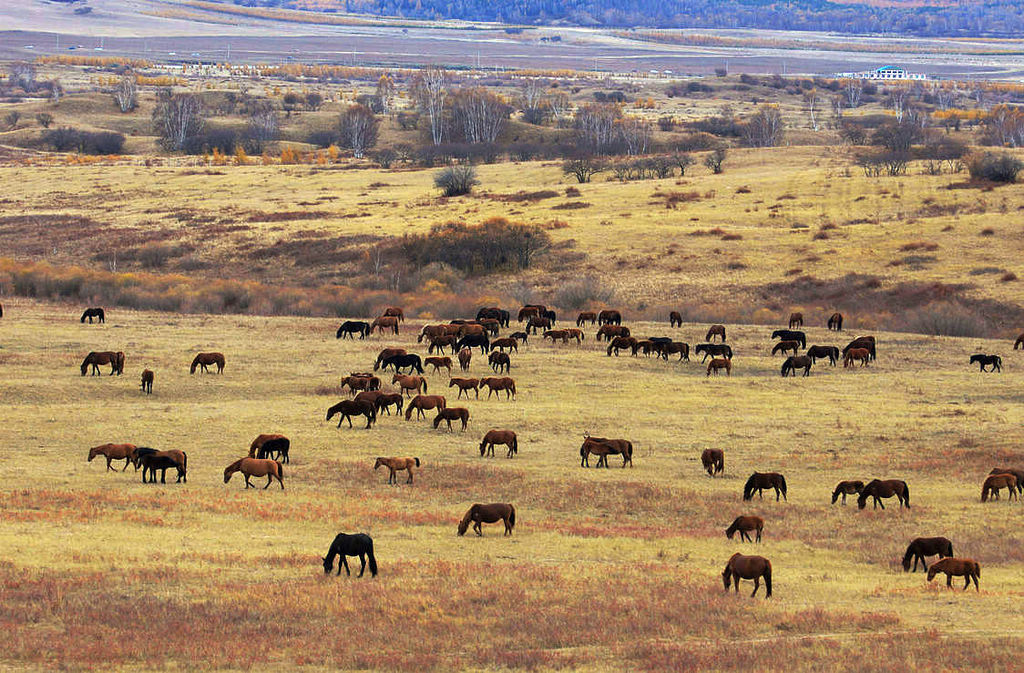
<point>748,568</point>
<point>350,408</point>
<point>385,323</point>
<point>421,402</point>
<point>845,488</point>
<point>609,332</point>
<point>256,467</point>
<point>163,460</point>
<point>1019,343</point>
<point>720,363</point>
<point>796,320</point>
<point>609,317</point>
<point>506,342</point>
<point>394,312</point>
<point>465,385</point>
<point>603,447</point>
<point>439,363</point>
<point>506,437</point>
<point>675,319</point>
<point>835,322</point>
<point>411,361</point>
<point>830,352</point>
<point>791,335</point>
<point>111,452</point>
<point>478,514</point>
<point>385,401</point>
<point>795,362</point>
<point>98,313</point>
<point>714,350</point>
<point>495,384</point>
<point>386,354</point>
<point>94,359</point>
<point>204,360</point>
<point>867,342</point>
<point>499,361</point>
<point>715,330</point>
<point>878,489</point>
<point>439,343</point>
<point>465,356</point>
<point>147,381</point>
<point>762,480</point>
<point>983,361</point>
<point>961,567</point>
<point>396,464</point>
<point>920,547</point>
<point>713,461</point>
<point>352,327</point>
<point>407,384</point>
<point>449,414</point>
<point>1015,472</point>
<point>265,445</point>
<point>855,354</point>
<point>586,316</point>
<point>360,545</point>
<point>995,482</point>
<point>535,323</point>
<point>621,343</point>
<point>745,524</point>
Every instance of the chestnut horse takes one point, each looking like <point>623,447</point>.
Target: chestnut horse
<point>95,359</point>
<point>845,488</point>
<point>993,483</point>
<point>748,568</point>
<point>204,360</point>
<point>384,323</point>
<point>496,384</point>
<point>97,313</point>
<point>396,464</point>
<point>421,402</point>
<point>147,381</point>
<point>675,319</point>
<point>878,489</point>
<point>255,448</point>
<point>961,567</point>
<point>506,342</point>
<point>745,524</point>
<point>479,514</point>
<point>465,385</point>
<point>854,354</point>
<point>1014,471</point>
<point>602,448</point>
<point>357,383</point>
<point>256,467</point>
<point>439,343</point>
<point>835,322</point>
<point>349,408</point>
<point>439,363</point>
<point>715,330</point>
<point>796,320</point>
<point>621,343</point>
<point>713,461</point>
<point>867,342</point>
<point>920,547</point>
<point>611,331</point>
<point>759,481</point>
<point>506,437</point>
<point>385,401</point>
<point>111,452</point>
<point>394,312</point>
<point>407,384</point>
<point>586,316</point>
<point>720,363</point>
<point>449,414</point>
<point>465,356</point>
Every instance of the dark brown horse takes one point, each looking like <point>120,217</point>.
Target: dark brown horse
<point>556,335</point>
<point>715,330</point>
<point>449,414</point>
<point>796,320</point>
<point>96,312</point>
<point>496,384</point>
<point>795,362</point>
<point>887,488</point>
<point>960,567</point>
<point>479,514</point>
<point>748,568</point>
<point>204,360</point>
<point>585,317</point>
<point>465,356</point>
<point>387,400</point>
<point>349,408</point>
<point>745,524</point>
<point>256,449</point>
<point>384,323</point>
<point>537,323</point>
<point>867,342</point>
<point>256,467</point>
<point>147,381</point>
<point>1019,343</point>
<point>95,359</point>
<point>713,461</point>
<point>609,316</point>
<point>439,343</point>
<point>603,447</point>
<point>920,547</point>
<point>984,360</point>
<point>357,383</point>
<point>720,363</point>
<point>421,402</point>
<point>856,354</point>
<point>506,437</point>
<point>394,312</point>
<point>609,332</point>
<point>163,460</point>
<point>386,354</point>
<point>621,343</point>
<point>845,488</point>
<point>995,482</point>
<point>835,322</point>
<point>111,452</point>
<point>499,361</point>
<point>465,385</point>
<point>506,342</point>
<point>759,481</point>
<point>830,352</point>
<point>675,319</point>
<point>786,345</point>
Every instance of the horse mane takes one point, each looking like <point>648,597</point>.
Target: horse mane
<point>464,524</point>
<point>748,489</point>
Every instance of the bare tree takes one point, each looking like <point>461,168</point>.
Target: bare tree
<point>56,91</point>
<point>430,88</point>
<point>358,128</point>
<point>263,127</point>
<point>23,74</point>
<point>535,107</point>
<point>177,119</point>
<point>596,125</point>
<point>853,89</point>
<point>559,105</point>
<point>126,93</point>
<point>837,110</point>
<point>812,102</point>
<point>386,94</point>
<point>583,167</point>
<point>635,134</point>
<point>479,114</point>
<point>945,94</point>
<point>765,128</point>
<point>715,159</point>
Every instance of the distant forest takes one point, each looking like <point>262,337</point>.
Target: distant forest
<point>963,18</point>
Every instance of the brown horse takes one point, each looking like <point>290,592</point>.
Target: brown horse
<point>845,488</point>
<point>745,524</point>
<point>713,461</point>
<point>796,320</point>
<point>147,381</point>
<point>384,323</point>
<point>479,514</point>
<point>530,311</point>
<point>867,342</point>
<point>407,383</point>
<point>95,359</point>
<point>961,567</point>
<point>1019,343</point>
<point>920,547</point>
<point>439,363</point>
<point>396,464</point>
<point>786,345</point>
<point>795,362</point>
<point>603,447</point>
<point>465,356</point>
<point>1019,473</point>
<point>442,342</point>
<point>256,467</point>
<point>465,385</point>
<point>496,384</point>
<point>387,400</point>
<point>421,402</point>
<point>385,354</point>
<point>609,332</point>
<point>506,437</point>
<point>204,360</point>
<point>574,333</point>
<point>835,322</point>
<point>499,361</point>
<point>506,342</point>
<point>715,330</point>
<point>356,383</point>
<point>111,452</point>
<point>556,335</point>
<point>449,414</point>
<point>349,408</point>
<point>257,444</point>
<point>536,323</point>
<point>748,568</point>
<point>759,481</point>
<point>621,343</point>
<point>878,489</point>
<point>675,319</point>
<point>585,317</point>
<point>609,316</point>
<point>720,363</point>
<point>995,482</point>
<point>434,331</point>
<point>163,460</point>
<point>394,312</point>
<point>855,354</point>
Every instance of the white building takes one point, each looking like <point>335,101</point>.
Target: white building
<point>885,73</point>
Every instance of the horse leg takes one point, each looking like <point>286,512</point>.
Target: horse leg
<point>758,534</point>
<point>757,585</point>
<point>949,581</point>
<point>344,562</point>
<point>508,527</point>
<point>975,578</point>
<point>362,561</point>
<point>270,478</point>
<point>247,484</point>
<point>108,464</point>
<point>127,461</point>
<point>478,529</point>
<point>744,536</point>
<point>409,480</point>
<point>967,581</point>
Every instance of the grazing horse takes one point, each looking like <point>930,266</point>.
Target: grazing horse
<point>357,383</point>
<point>479,514</point>
<point>506,437</point>
<point>349,408</point>
<point>621,343</point>
<point>449,414</point>
<point>494,313</point>
<point>256,449</point>
<point>675,319</point>
<point>421,402</point>
<point>878,489</point>
<point>97,313</point>
<point>920,547</point>
<point>465,385</point>
<point>256,467</point>
<point>147,381</point>
<point>995,482</point>
<point>609,317</point>
<point>474,341</point>
<point>111,452</point>
<point>603,447</point>
<point>791,335</point>
<point>845,488</point>
<point>465,356</point>
<point>506,342</point>
<point>835,322</point>
<point>854,354</point>
<point>1015,472</point>
<point>794,362</point>
<point>531,311</point>
<point>830,352</point>
<point>386,354</point>
<point>867,342</point>
<point>385,323</point>
<point>983,361</point>
<point>441,342</point>
<point>961,567</point>
<point>536,323</point>
<point>720,363</point>
<point>396,464</point>
<point>163,460</point>
<point>400,362</point>
<point>204,360</point>
<point>385,401</point>
<point>555,335</point>
<point>520,336</point>
<point>762,480</point>
<point>276,448</point>
<point>1019,343</point>
<point>438,363</point>
<point>715,330</point>
<point>499,361</point>
<point>352,327</point>
<point>609,332</point>
<point>394,312</point>
<point>745,524</point>
<point>713,461</point>
<point>434,331</point>
<point>585,317</point>
<point>748,568</point>
<point>675,347</point>
<point>714,350</point>
<point>786,345</point>
<point>360,545</point>
<point>407,384</point>
<point>796,320</point>
<point>496,384</point>
<point>95,359</point>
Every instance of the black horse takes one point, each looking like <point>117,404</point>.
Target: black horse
<point>791,335</point>
<point>360,545</point>
<point>400,362</point>
<point>91,313</point>
<point>714,350</point>
<point>474,341</point>
<point>139,453</point>
<point>762,480</point>
<point>926,546</point>
<point>277,449</point>
<point>352,327</point>
<point>983,361</point>
<point>152,462</point>
<point>830,352</point>
<point>550,315</point>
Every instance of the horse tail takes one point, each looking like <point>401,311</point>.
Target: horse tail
<point>371,559</point>
<point>768,579</point>
<point>977,569</point>
<point>906,494</point>
<point>515,444</point>
<point>424,385</point>
<point>949,549</point>
<point>512,516</point>
<point>782,486</point>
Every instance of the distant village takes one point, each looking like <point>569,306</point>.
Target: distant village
<point>887,72</point>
